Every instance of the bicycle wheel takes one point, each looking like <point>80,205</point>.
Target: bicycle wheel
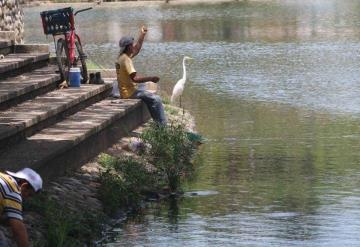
<point>82,57</point>
<point>62,58</point>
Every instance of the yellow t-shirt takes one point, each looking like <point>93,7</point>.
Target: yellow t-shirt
<point>124,68</point>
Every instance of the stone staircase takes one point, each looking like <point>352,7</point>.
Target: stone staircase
<point>55,130</point>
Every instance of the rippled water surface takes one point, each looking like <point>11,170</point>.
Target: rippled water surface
<point>274,87</point>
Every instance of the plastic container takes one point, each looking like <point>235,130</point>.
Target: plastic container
<point>58,21</point>
<point>74,77</point>
<point>115,90</point>
<point>141,86</point>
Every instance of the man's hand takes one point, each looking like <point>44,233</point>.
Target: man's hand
<point>144,30</point>
<point>155,79</point>
<point>19,232</point>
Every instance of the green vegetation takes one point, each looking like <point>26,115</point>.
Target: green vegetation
<point>63,227</point>
<point>174,111</point>
<point>125,182</point>
<point>171,152</point>
<point>92,65</point>
<point>165,99</point>
<point>164,163</point>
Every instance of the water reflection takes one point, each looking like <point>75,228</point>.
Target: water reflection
<point>282,181</point>
<point>234,22</point>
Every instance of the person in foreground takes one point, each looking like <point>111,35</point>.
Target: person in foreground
<point>14,188</point>
<point>127,77</point>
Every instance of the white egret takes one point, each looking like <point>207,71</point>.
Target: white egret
<point>179,86</point>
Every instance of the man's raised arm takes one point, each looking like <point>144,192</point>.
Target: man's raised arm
<point>139,42</point>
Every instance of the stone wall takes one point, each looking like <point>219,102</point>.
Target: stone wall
<point>12,18</point>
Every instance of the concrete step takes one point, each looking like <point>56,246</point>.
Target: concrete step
<point>5,44</point>
<point>16,89</point>
<point>16,61</point>
<point>77,138</point>
<point>31,116</point>
<point>7,41</point>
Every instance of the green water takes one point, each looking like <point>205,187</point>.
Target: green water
<point>274,87</point>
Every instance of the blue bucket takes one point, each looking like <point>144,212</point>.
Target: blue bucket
<point>74,77</point>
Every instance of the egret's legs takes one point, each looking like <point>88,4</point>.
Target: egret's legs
<point>183,108</point>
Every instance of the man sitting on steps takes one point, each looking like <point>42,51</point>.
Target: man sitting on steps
<point>127,77</point>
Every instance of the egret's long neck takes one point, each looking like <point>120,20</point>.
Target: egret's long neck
<point>184,70</point>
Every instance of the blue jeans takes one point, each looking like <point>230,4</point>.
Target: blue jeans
<point>154,104</point>
<point>3,243</point>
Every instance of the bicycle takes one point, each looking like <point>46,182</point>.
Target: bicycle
<point>69,49</point>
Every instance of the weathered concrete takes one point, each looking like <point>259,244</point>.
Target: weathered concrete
<point>5,48</point>
<point>31,48</point>
<point>33,112</point>
<point>50,127</point>
<point>17,86</point>
<point>8,36</point>
<point>5,44</point>
<point>15,61</point>
<point>80,137</point>
<point>8,46</point>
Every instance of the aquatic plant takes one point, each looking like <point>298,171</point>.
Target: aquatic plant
<point>170,151</point>
<point>123,182</point>
<point>112,191</point>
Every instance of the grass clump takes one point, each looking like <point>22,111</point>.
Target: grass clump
<point>174,111</point>
<point>170,151</point>
<point>63,227</point>
<point>123,182</point>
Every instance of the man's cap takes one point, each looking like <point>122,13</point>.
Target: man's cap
<point>124,42</point>
<point>32,177</point>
